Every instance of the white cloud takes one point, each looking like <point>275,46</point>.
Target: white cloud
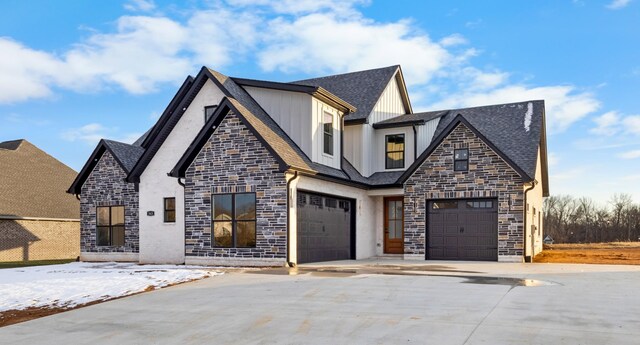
<point>618,4</point>
<point>453,40</point>
<point>630,154</point>
<point>564,105</point>
<point>93,132</point>
<point>26,73</point>
<point>297,7</point>
<point>607,123</point>
<point>140,5</point>
<point>143,52</point>
<point>632,124</point>
<point>308,44</point>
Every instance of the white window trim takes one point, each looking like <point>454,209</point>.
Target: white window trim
<point>333,137</point>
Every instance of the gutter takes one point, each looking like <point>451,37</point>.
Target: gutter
<point>524,211</point>
<point>295,176</point>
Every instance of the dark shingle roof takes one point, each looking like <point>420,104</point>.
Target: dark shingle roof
<point>410,119</point>
<point>377,179</point>
<point>505,126</point>
<point>126,154</point>
<point>33,184</point>
<point>361,89</point>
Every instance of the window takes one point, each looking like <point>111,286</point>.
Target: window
<point>394,151</point>
<point>110,225</point>
<point>327,130</point>
<point>208,111</point>
<point>479,204</point>
<point>234,220</point>
<point>169,210</point>
<point>437,205</point>
<point>461,160</point>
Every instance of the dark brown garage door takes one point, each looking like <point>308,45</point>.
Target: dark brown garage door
<point>463,230</point>
<point>325,228</point>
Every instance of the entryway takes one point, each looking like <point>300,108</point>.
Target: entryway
<point>393,225</point>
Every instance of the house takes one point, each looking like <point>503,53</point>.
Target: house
<point>38,220</point>
<point>251,172</point>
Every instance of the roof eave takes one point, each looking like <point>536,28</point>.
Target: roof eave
<point>436,142</point>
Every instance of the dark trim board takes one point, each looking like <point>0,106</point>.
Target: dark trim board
<point>91,163</point>
<point>459,119</point>
<point>315,91</point>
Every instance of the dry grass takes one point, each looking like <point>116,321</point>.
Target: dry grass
<point>616,253</point>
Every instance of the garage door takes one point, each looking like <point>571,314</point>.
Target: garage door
<point>463,230</point>
<point>325,229</point>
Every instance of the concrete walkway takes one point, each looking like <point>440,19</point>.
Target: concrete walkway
<point>378,301</point>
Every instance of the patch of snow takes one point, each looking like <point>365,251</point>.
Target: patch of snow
<point>527,117</point>
<point>77,283</point>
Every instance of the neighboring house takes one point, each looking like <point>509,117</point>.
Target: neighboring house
<point>251,172</point>
<point>38,220</point>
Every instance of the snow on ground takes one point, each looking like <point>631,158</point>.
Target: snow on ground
<point>81,282</point>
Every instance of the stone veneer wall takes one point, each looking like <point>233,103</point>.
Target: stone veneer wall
<point>488,176</point>
<point>105,186</point>
<point>234,160</point>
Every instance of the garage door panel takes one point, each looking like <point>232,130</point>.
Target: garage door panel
<point>324,228</point>
<point>466,232</point>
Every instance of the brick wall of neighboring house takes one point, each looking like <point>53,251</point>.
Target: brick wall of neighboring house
<point>234,160</point>
<point>488,176</point>
<point>22,240</point>
<point>105,186</point>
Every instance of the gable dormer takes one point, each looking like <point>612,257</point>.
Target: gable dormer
<point>310,116</point>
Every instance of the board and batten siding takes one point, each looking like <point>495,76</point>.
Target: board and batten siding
<point>424,134</point>
<point>365,157</point>
<point>318,110</point>
<point>290,110</point>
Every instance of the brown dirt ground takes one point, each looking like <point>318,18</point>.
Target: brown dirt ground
<point>613,253</point>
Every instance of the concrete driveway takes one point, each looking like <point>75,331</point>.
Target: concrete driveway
<point>370,302</point>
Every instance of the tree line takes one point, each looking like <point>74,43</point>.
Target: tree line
<point>581,220</point>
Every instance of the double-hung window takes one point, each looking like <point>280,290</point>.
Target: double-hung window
<point>234,220</point>
<point>394,151</point>
<point>327,133</point>
<point>110,226</point>
<point>169,210</point>
<point>461,160</point>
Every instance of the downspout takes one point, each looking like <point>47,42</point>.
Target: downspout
<point>415,143</point>
<point>184,218</point>
<point>524,206</point>
<point>295,176</point>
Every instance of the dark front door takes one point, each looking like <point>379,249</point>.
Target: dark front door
<point>393,225</point>
<point>325,228</point>
<point>463,229</point>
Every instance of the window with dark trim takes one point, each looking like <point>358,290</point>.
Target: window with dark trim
<point>394,151</point>
<point>327,130</point>
<point>461,160</point>
<point>208,111</point>
<point>110,226</point>
<point>169,210</point>
<point>234,220</point>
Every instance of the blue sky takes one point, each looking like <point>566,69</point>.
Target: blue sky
<point>72,72</point>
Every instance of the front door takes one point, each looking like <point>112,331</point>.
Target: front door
<point>393,225</point>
